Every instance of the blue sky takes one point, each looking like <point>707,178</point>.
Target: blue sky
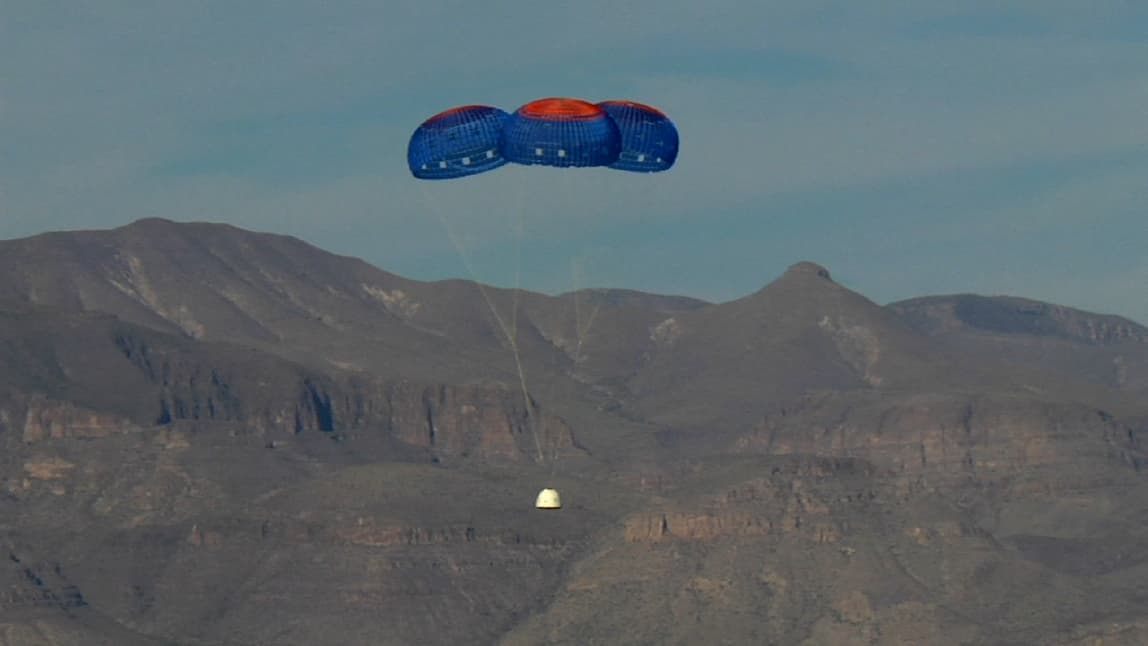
<point>912,147</point>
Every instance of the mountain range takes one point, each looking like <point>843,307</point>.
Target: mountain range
<point>217,436</point>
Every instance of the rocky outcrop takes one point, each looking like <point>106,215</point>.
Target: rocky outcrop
<point>792,502</point>
<point>369,533</point>
<point>273,397</point>
<point>857,345</point>
<point>462,421</point>
<point>458,421</point>
<point>362,531</point>
<point>48,419</point>
<point>24,584</point>
<point>979,437</point>
<point>470,420</point>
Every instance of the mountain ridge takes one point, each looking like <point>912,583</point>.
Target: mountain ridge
<point>216,436</point>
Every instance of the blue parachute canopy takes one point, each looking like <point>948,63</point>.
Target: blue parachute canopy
<point>459,142</point>
<point>649,138</point>
<point>561,132</point>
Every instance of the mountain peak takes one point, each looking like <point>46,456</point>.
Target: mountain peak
<point>150,222</point>
<point>807,267</point>
<point>158,225</point>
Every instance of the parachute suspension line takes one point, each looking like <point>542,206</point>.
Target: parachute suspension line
<point>572,194</point>
<point>567,197</point>
<point>519,232</point>
<point>508,331</point>
<point>581,328</point>
<point>460,248</point>
<point>532,420</point>
<point>577,266</point>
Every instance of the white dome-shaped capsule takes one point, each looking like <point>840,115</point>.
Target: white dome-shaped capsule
<point>548,499</point>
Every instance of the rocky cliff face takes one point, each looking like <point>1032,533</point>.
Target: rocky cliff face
<point>977,437</point>
<point>791,501</point>
<point>163,379</point>
<point>446,421</point>
<point>36,418</point>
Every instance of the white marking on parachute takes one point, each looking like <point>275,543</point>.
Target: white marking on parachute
<point>466,161</point>
<point>641,158</point>
<point>561,153</point>
<point>442,164</point>
<point>537,152</point>
<point>490,154</point>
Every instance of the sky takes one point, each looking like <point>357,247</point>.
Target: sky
<point>912,147</point>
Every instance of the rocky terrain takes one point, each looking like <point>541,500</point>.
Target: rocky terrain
<point>215,436</point>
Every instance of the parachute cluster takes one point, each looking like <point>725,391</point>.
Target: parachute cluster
<point>561,132</point>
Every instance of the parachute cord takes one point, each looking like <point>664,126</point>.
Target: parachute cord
<point>509,332</point>
<point>519,231</point>
<point>531,418</point>
<point>576,279</point>
<point>581,331</point>
<point>584,332</point>
<point>554,458</point>
<point>577,267</point>
<point>531,422</point>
